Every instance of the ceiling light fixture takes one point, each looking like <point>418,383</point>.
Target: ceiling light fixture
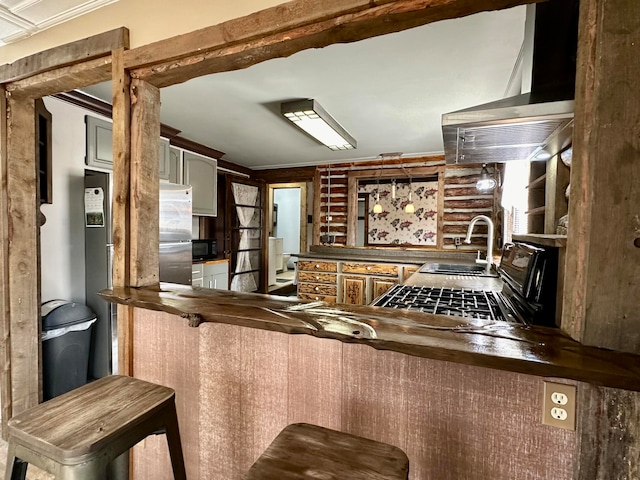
<point>409,207</point>
<point>310,117</point>
<point>486,183</point>
<point>377,208</point>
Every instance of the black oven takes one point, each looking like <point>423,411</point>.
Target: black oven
<point>204,249</point>
<point>530,275</point>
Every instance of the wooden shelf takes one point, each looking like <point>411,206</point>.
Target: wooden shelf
<point>538,182</point>
<point>536,211</point>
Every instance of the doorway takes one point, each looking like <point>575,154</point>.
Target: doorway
<point>287,233</point>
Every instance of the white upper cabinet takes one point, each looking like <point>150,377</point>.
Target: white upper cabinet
<point>201,173</point>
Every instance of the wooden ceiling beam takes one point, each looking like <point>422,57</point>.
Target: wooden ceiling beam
<point>62,79</point>
<point>79,51</point>
<point>238,43</point>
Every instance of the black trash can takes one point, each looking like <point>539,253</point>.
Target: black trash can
<point>66,346</point>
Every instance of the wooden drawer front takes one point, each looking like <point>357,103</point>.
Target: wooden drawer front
<point>317,289</point>
<point>321,298</point>
<point>317,277</point>
<point>380,286</point>
<point>317,266</point>
<point>370,269</point>
<point>354,290</point>
<point>408,271</point>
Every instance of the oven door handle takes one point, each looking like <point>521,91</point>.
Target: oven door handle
<point>509,310</point>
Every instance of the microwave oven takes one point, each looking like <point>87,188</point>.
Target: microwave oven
<point>204,249</point>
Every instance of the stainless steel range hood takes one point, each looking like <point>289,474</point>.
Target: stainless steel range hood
<point>524,127</point>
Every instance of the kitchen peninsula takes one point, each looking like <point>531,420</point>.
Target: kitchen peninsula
<point>254,363</point>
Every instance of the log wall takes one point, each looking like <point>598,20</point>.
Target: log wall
<point>459,203</point>
<point>237,387</point>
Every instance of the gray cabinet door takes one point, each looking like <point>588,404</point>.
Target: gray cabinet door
<point>164,171</point>
<point>100,147</point>
<point>201,173</point>
<point>175,165</point>
<point>99,143</point>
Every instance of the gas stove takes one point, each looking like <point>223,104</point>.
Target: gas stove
<point>459,302</point>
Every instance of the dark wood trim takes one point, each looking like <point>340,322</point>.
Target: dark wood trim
<point>101,107</point>
<point>286,175</point>
<point>96,46</point>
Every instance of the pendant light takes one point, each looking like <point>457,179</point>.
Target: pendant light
<point>393,189</point>
<point>377,208</point>
<point>409,207</point>
<point>486,183</point>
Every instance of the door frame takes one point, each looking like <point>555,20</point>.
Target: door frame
<point>303,209</point>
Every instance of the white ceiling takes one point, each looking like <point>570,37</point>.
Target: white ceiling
<point>388,92</point>
<point>22,18</point>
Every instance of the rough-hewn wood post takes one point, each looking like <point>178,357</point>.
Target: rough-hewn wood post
<point>23,254</point>
<point>601,303</point>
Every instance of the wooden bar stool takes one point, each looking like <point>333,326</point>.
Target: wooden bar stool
<point>76,435</point>
<point>303,451</point>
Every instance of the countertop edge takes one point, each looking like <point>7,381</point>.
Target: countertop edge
<point>536,351</point>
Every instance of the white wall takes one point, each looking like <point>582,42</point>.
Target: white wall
<point>146,22</point>
<point>62,236</point>
<point>288,201</point>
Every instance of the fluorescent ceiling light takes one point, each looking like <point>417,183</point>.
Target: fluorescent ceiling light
<point>309,116</point>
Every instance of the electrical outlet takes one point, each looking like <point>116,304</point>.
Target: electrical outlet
<point>456,241</point>
<point>559,405</point>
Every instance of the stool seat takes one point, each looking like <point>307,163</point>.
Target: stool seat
<point>88,427</point>
<point>303,451</point>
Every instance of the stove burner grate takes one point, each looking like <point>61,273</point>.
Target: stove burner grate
<point>468,303</point>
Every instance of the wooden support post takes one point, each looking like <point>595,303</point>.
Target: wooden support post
<point>603,250</point>
<point>23,255</point>
<point>317,210</point>
<point>145,134</point>
<point>121,84</point>
<point>5,339</point>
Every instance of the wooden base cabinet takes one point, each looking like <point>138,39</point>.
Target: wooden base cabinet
<point>354,290</point>
<point>378,286</point>
<point>318,281</point>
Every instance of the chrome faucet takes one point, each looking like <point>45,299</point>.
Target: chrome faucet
<point>489,259</point>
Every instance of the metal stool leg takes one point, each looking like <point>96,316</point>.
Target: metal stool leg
<point>175,447</point>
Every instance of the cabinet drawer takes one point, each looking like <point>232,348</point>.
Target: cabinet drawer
<point>370,269</point>
<point>317,277</point>
<point>317,266</point>
<point>196,270</point>
<point>322,298</point>
<point>317,289</point>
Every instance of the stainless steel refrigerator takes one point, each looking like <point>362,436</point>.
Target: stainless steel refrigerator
<point>175,258</point>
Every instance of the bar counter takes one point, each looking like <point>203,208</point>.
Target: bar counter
<point>539,351</point>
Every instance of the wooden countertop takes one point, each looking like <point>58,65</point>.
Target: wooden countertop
<point>210,262</point>
<point>538,351</point>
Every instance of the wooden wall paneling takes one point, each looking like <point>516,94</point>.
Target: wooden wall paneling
<point>315,381</point>
<point>145,190</point>
<point>23,255</point>
<point>264,397</point>
<point>82,50</point>
<point>220,399</point>
<point>317,211</point>
<point>607,431</point>
<point>5,320</point>
<point>603,245</point>
<point>161,357</point>
<point>374,402</point>
<point>473,422</point>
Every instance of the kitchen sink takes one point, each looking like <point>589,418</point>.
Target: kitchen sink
<point>456,269</point>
